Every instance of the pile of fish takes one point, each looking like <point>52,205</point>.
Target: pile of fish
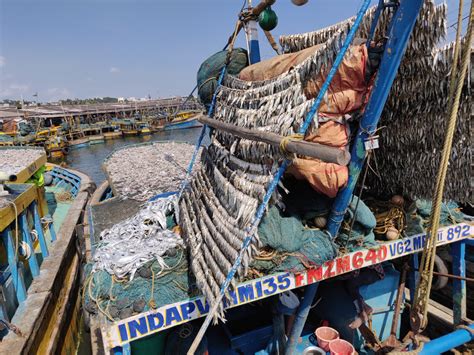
<point>217,208</point>
<point>140,239</point>
<point>13,161</point>
<point>142,171</point>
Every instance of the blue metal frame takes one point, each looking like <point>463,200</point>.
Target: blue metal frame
<point>400,30</point>
<point>16,273</point>
<point>39,228</point>
<point>32,261</point>
<point>458,252</point>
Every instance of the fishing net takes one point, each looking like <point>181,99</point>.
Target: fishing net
<point>153,286</point>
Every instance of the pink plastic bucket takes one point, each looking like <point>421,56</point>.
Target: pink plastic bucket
<point>341,347</point>
<point>325,335</point>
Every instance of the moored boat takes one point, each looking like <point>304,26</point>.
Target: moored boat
<point>94,134</point>
<point>182,123</point>
<point>40,263</point>
<point>128,127</point>
<point>76,139</point>
<point>111,131</point>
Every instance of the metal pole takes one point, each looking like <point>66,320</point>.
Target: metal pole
<point>252,39</point>
<point>400,30</point>
<point>301,315</point>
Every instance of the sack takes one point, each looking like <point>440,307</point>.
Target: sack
<point>325,178</point>
<point>209,71</point>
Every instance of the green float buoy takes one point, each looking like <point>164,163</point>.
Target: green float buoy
<point>268,19</point>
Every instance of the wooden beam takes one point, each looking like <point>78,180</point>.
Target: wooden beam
<point>314,150</point>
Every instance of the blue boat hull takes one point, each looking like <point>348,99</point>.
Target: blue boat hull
<point>193,123</point>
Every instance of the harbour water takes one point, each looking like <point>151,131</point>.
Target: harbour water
<point>89,159</point>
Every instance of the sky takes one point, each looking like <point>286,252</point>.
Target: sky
<point>123,48</point>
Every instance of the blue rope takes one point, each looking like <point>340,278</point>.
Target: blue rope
<point>210,113</point>
<point>309,118</point>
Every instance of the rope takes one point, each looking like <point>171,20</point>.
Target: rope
<point>286,140</point>
<point>272,42</point>
<point>250,231</point>
<point>420,305</point>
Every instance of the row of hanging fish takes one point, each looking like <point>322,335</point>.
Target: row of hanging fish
<point>416,118</point>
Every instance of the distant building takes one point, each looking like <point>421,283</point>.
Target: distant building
<point>121,99</point>
<point>132,99</point>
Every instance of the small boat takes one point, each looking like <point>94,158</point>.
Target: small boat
<point>40,278</point>
<point>6,140</point>
<point>182,123</point>
<point>128,128</point>
<point>76,139</point>
<point>144,128</point>
<point>111,131</point>
<point>56,147</point>
<point>94,133</point>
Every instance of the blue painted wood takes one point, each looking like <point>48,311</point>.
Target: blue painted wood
<point>52,232</point>
<point>17,274</point>
<point>32,261</point>
<point>39,228</point>
<point>458,252</point>
<point>413,274</point>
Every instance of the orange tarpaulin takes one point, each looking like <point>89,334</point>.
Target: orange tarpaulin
<point>347,93</point>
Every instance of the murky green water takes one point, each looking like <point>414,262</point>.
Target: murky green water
<point>89,159</point>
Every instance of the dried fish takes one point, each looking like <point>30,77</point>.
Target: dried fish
<point>12,161</point>
<point>142,171</point>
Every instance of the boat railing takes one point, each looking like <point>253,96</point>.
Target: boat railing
<point>21,229</point>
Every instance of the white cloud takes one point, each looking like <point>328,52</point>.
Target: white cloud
<point>3,61</point>
<point>114,70</point>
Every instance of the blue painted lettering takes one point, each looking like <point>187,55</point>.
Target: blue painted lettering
<point>272,287</point>
<point>123,332</point>
<point>172,315</point>
<point>417,243</point>
<point>258,286</point>
<point>284,281</point>
<point>139,326</point>
<point>202,308</point>
<point>187,309</point>
<point>155,321</point>
<point>245,293</point>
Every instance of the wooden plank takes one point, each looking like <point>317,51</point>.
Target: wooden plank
<point>7,214</point>
<point>314,150</point>
<point>26,173</point>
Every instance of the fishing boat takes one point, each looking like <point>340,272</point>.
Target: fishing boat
<point>40,263</point>
<point>182,123</point>
<point>277,208</point>
<point>6,140</point>
<point>128,127</point>
<point>94,134</point>
<point>111,131</point>
<point>77,139</point>
<point>144,128</point>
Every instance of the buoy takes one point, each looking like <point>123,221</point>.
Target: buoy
<point>299,2</point>
<point>397,200</point>
<point>320,221</point>
<point>392,233</point>
<point>268,19</point>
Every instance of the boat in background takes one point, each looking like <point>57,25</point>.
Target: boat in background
<point>77,139</point>
<point>94,133</point>
<point>144,128</point>
<point>111,131</point>
<point>128,127</point>
<point>40,280</point>
<point>183,120</point>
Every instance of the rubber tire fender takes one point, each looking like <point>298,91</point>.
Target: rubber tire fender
<point>439,282</point>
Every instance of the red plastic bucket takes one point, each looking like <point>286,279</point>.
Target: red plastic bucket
<point>341,347</point>
<point>326,335</point>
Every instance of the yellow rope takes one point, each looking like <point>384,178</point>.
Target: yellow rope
<point>420,305</point>
<point>392,218</point>
<point>286,140</point>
